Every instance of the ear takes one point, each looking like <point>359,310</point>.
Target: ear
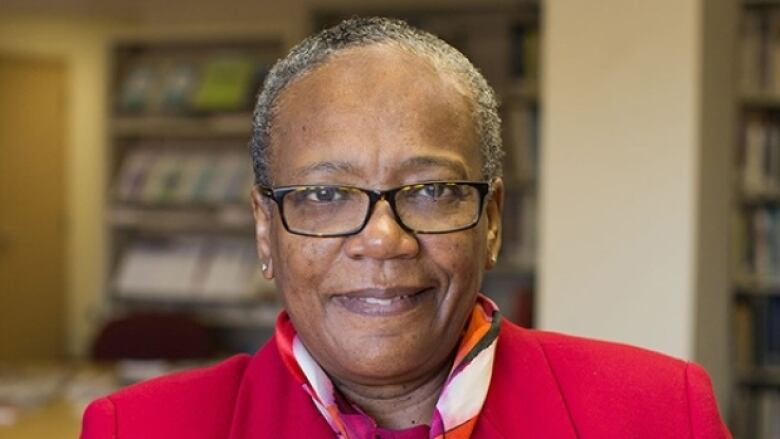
<point>493,210</point>
<point>263,213</point>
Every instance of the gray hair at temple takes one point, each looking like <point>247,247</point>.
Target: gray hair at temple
<point>357,32</point>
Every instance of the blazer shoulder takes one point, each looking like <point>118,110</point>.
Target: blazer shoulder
<point>613,387</point>
<point>200,400</point>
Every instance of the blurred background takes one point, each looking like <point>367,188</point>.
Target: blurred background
<point>643,174</point>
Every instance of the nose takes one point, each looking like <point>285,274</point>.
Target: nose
<point>382,237</point>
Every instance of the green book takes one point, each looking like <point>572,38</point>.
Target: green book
<point>224,84</point>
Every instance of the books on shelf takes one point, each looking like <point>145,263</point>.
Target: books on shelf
<point>519,231</point>
<point>757,335</point>
<point>768,331</point>
<point>138,89</point>
<point>522,138</point>
<point>192,269</point>
<point>222,81</point>
<point>178,84</point>
<point>759,51</point>
<point>757,245</point>
<point>760,154</point>
<point>156,176</point>
<point>525,53</point>
<point>225,84</point>
<point>768,414</point>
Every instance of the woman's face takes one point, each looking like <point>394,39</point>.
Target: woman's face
<point>383,306</point>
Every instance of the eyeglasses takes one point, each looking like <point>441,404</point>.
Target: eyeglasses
<point>335,210</point>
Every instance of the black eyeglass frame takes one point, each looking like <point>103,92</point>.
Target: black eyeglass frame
<point>278,193</point>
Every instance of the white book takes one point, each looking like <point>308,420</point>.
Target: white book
<point>231,269</point>
<point>160,269</point>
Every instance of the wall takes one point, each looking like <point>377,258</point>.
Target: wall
<point>624,201</point>
<point>82,47</point>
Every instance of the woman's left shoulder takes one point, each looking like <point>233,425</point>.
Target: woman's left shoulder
<point>600,380</point>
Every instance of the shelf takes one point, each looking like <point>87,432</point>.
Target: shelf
<point>754,285</point>
<point>764,196</point>
<point>246,313</point>
<point>524,185</point>
<point>230,218</point>
<point>161,126</point>
<point>761,100</point>
<point>523,93</point>
<point>761,377</point>
<point>760,3</point>
<point>512,270</point>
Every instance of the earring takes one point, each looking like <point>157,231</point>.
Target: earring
<point>264,266</point>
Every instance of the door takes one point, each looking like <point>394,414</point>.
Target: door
<point>32,282</point>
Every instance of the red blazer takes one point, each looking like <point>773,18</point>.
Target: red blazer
<point>544,385</point>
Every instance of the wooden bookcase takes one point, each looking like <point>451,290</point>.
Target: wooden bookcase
<point>504,43</point>
<point>181,229</point>
<point>756,241</point>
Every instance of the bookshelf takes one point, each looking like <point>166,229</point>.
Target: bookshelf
<point>181,228</point>
<point>504,43</point>
<point>756,240</point>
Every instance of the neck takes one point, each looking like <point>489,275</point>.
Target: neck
<point>398,406</point>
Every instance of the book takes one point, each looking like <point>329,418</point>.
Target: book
<point>752,49</point>
<point>138,89</point>
<point>225,84</point>
<point>163,178</point>
<point>768,411</point>
<point>162,268</point>
<point>178,85</point>
<point>772,52</point>
<point>754,178</point>
<point>769,333</point>
<point>190,268</point>
<point>133,173</point>
<point>231,269</point>
<point>525,53</point>
<point>744,336</point>
<point>229,172</point>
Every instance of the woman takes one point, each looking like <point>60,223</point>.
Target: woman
<point>377,155</point>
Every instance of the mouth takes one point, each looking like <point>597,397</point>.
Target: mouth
<point>383,302</point>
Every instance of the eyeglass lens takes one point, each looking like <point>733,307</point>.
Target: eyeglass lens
<point>333,210</point>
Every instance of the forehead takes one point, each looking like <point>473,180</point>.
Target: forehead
<point>374,108</point>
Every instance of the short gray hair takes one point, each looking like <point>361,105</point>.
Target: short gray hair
<point>356,32</point>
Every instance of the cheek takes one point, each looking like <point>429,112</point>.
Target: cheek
<point>460,254</point>
<point>300,265</point>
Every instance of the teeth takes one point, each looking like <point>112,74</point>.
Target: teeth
<point>375,301</point>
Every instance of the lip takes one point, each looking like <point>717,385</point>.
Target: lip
<point>383,301</point>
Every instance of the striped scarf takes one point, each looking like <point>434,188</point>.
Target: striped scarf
<point>461,398</point>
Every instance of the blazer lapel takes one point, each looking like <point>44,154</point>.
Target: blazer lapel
<point>272,404</point>
<point>524,399</point>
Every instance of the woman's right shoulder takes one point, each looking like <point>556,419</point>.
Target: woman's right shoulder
<point>184,404</point>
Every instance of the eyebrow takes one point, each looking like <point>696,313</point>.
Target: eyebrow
<point>413,163</point>
<point>331,166</point>
<point>428,161</point>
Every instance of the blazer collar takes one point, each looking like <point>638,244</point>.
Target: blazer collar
<point>524,399</point>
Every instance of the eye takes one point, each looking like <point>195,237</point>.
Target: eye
<point>437,190</point>
<point>323,194</point>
